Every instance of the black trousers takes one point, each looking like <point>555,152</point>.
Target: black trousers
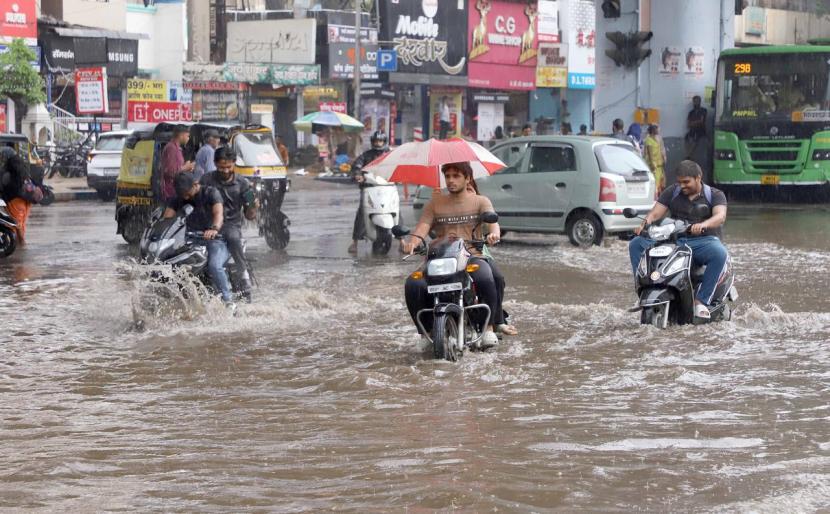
<point>359,230</point>
<point>233,238</point>
<point>489,283</point>
<point>445,130</point>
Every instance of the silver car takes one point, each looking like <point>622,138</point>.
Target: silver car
<point>573,185</point>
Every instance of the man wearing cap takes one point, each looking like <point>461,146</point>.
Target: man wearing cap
<point>172,161</point>
<point>207,217</point>
<point>204,157</point>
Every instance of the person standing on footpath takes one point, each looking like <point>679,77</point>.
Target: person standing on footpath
<point>173,163</point>
<point>204,157</point>
<point>446,120</point>
<point>655,154</point>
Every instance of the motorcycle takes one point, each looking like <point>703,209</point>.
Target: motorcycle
<point>381,210</point>
<point>8,231</point>
<point>167,241</point>
<point>667,278</point>
<point>459,319</point>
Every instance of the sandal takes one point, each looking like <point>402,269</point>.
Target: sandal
<point>508,330</point>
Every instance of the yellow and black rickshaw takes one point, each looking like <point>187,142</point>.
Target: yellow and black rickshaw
<point>258,161</point>
<point>138,189</point>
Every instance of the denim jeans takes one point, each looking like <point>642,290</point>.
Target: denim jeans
<point>706,251</point>
<point>218,255</point>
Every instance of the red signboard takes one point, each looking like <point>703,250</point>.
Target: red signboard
<point>503,44</point>
<point>91,90</point>
<point>18,20</point>
<point>333,106</point>
<point>3,126</point>
<point>157,112</point>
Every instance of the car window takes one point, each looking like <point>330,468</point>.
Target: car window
<point>111,144</point>
<point>511,155</point>
<point>619,159</point>
<point>545,159</point>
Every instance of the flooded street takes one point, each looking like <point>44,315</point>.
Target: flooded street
<point>319,396</point>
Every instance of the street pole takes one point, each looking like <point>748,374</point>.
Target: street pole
<point>357,59</point>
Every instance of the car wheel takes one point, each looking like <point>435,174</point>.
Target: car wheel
<point>584,230</point>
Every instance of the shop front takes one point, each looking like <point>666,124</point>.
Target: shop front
<point>218,101</point>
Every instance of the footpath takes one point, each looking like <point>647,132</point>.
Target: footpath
<point>69,189</point>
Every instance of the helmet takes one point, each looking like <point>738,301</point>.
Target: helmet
<point>378,140</point>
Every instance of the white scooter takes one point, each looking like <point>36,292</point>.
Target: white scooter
<point>381,211</point>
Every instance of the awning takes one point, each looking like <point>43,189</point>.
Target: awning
<point>92,32</point>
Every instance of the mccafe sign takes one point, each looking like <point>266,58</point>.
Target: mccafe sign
<point>429,35</point>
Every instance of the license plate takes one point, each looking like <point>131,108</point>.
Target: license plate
<point>770,180</point>
<point>443,288</point>
<point>637,188</point>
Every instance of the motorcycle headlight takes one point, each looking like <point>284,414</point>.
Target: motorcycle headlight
<point>660,233</point>
<point>674,266</point>
<point>440,267</point>
<point>642,268</point>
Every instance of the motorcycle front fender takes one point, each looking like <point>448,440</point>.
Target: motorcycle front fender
<point>649,297</point>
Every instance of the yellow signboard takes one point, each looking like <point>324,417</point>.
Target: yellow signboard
<point>551,76</point>
<point>147,90</point>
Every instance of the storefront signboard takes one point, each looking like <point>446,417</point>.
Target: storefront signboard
<point>272,41</point>
<point>581,39</point>
<point>341,42</point>
<point>91,90</point>
<point>157,112</point>
<point>552,68</point>
<point>291,74</point>
<point>18,19</point>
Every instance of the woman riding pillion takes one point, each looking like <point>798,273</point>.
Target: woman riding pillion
<point>458,214</point>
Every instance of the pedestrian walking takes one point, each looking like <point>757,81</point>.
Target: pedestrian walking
<point>446,124</point>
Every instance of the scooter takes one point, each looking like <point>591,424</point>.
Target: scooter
<point>381,211</point>
<point>167,241</point>
<point>459,319</point>
<point>8,231</point>
<point>667,279</point>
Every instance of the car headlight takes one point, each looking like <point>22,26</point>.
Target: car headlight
<point>674,266</point>
<point>642,268</point>
<point>440,267</point>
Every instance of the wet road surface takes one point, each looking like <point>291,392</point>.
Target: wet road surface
<point>319,396</point>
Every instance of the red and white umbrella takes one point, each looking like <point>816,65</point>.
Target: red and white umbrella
<point>420,162</point>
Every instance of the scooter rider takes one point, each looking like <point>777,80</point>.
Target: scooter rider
<point>379,147</point>
<point>207,217</point>
<point>238,197</point>
<point>457,214</point>
<point>704,238</point>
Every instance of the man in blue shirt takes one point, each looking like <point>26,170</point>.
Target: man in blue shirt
<point>204,157</point>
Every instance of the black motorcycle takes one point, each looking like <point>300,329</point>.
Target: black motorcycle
<point>8,231</point>
<point>458,318</point>
<point>667,279</point>
<point>167,241</point>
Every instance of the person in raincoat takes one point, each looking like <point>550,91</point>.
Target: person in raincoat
<point>655,154</point>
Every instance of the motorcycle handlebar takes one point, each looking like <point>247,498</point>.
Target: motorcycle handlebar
<point>200,234</point>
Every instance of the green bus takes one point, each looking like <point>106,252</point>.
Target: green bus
<point>772,122</point>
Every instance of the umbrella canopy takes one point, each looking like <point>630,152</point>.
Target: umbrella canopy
<point>328,119</point>
<point>420,162</point>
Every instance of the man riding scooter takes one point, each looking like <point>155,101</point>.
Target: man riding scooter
<point>704,235</point>
<point>379,147</point>
<point>237,196</point>
<point>458,214</point>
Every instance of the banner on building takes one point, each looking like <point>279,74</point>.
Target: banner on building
<point>453,97</point>
<point>157,91</point>
<point>548,24</point>
<point>158,112</point>
<point>91,90</point>
<point>552,66</point>
<point>694,58</point>
<point>581,39</point>
<point>120,56</point>
<point>293,75</point>
<point>430,38</point>
<point>333,107</point>
<point>272,41</point>
<point>18,20</point>
<point>490,116</point>
<point>341,41</point>
<point>213,105</point>
<point>503,45</point>
<point>670,60</point>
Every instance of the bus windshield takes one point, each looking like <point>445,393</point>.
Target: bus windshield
<point>792,87</point>
<point>256,149</point>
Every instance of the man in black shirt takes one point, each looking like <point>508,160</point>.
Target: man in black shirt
<point>696,121</point>
<point>237,195</point>
<point>207,217</point>
<point>704,239</point>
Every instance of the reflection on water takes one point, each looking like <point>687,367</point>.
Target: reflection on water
<point>318,396</point>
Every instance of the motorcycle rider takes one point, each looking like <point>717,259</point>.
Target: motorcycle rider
<point>208,217</point>
<point>378,148</point>
<point>457,214</point>
<point>704,238</point>
<point>238,197</point>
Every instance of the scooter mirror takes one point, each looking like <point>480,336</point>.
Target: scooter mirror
<point>629,213</point>
<point>400,231</point>
<point>490,217</point>
<point>701,211</point>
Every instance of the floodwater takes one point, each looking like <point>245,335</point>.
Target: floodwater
<point>319,396</point>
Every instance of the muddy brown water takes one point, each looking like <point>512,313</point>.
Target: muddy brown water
<point>319,396</point>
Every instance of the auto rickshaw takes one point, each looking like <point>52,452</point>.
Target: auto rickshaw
<point>138,189</point>
<point>258,161</point>
<point>26,150</point>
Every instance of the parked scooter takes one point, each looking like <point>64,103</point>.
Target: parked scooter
<point>381,211</point>
<point>667,278</point>
<point>167,241</point>
<point>8,231</point>
<point>459,319</point>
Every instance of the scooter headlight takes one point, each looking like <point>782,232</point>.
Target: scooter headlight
<point>675,265</point>
<point>661,233</point>
<point>441,267</point>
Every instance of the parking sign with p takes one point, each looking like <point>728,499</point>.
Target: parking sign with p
<point>387,60</point>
